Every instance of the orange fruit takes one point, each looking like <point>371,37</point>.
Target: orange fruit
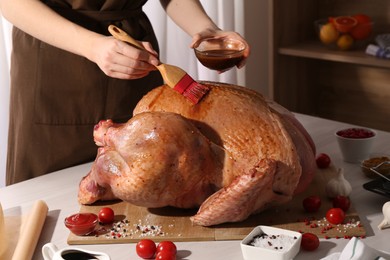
<point>328,33</point>
<point>363,29</point>
<point>344,23</point>
<point>362,18</point>
<point>345,42</point>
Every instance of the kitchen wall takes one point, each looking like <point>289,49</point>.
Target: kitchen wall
<point>256,31</point>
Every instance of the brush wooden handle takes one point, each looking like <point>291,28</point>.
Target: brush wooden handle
<point>173,76</point>
<point>119,34</point>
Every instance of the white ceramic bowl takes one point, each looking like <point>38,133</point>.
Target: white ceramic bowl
<point>281,244</point>
<point>355,149</point>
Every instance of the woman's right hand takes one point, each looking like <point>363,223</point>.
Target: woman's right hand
<point>115,58</point>
<point>120,60</point>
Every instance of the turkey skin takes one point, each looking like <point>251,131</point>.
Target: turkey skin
<point>231,155</point>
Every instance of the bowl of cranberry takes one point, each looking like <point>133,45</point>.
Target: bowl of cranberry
<point>355,143</point>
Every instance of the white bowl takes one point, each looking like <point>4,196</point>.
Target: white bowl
<point>284,246</point>
<point>355,150</point>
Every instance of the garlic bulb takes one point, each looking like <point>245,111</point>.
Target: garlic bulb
<point>386,214</point>
<point>338,185</point>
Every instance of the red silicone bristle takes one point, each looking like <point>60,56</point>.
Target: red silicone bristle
<point>195,92</point>
<point>183,83</point>
<point>191,89</point>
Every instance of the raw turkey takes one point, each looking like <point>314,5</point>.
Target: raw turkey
<point>232,155</point>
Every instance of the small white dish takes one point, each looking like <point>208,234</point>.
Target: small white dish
<point>271,243</point>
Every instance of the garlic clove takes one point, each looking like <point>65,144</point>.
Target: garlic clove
<point>386,216</point>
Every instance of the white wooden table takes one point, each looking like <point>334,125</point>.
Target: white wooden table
<point>59,191</point>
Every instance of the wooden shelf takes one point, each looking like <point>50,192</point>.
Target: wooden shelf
<point>315,50</point>
<point>311,78</point>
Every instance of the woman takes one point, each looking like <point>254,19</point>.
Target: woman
<point>67,73</point>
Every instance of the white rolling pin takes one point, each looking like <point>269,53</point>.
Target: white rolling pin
<point>32,228</point>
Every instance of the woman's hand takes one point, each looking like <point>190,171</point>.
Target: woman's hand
<point>120,60</point>
<point>115,58</point>
<point>211,33</point>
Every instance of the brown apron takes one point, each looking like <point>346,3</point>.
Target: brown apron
<point>57,97</point>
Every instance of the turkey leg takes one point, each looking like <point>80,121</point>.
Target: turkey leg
<point>241,198</point>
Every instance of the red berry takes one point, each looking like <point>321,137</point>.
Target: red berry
<point>310,242</point>
<point>312,203</point>
<point>341,202</point>
<point>355,133</point>
<point>323,161</point>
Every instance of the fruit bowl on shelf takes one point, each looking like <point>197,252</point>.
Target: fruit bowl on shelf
<point>345,32</point>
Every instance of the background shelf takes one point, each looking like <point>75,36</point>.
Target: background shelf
<point>316,50</point>
<point>310,78</point>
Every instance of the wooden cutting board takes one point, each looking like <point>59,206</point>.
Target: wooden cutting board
<point>134,223</point>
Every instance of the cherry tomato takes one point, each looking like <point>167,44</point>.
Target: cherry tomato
<point>145,248</point>
<point>312,203</point>
<point>165,255</point>
<point>106,215</point>
<point>335,216</point>
<point>341,202</point>
<point>167,246</point>
<point>323,161</point>
<point>310,242</point>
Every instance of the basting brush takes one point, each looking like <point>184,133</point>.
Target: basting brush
<point>174,77</point>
